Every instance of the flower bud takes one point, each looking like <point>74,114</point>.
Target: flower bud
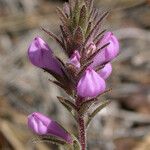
<point>75,59</point>
<point>43,125</point>
<point>106,71</point>
<point>90,84</point>
<point>109,52</point>
<point>41,56</point>
<point>91,48</point>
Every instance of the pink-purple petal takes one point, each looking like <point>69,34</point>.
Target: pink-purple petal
<point>108,53</point>
<point>90,84</point>
<point>41,56</point>
<point>43,125</point>
<point>75,59</point>
<point>106,71</point>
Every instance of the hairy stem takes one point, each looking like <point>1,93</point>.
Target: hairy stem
<point>81,127</point>
<point>82,132</point>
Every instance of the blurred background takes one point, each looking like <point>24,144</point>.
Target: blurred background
<point>124,125</point>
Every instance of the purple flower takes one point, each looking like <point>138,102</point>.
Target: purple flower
<point>43,125</point>
<point>41,56</point>
<point>106,71</point>
<point>75,59</point>
<point>90,84</point>
<point>108,53</point>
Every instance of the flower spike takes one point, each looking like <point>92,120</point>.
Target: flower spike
<point>89,50</point>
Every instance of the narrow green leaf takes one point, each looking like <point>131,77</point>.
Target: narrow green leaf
<point>95,27</point>
<point>67,36</point>
<point>49,139</point>
<point>76,143</point>
<point>89,29</point>
<point>99,36</point>
<point>65,32</point>
<point>66,9</point>
<point>108,90</point>
<point>84,67</point>
<point>88,103</point>
<point>66,89</point>
<point>98,109</point>
<point>62,16</point>
<point>76,13</point>
<point>89,3</point>
<point>76,146</point>
<point>83,18</point>
<point>95,15</point>
<point>68,102</point>
<point>84,108</point>
<point>78,38</point>
<point>99,67</point>
<point>57,83</point>
<point>68,147</point>
<point>53,36</point>
<point>64,43</point>
<point>74,22</point>
<point>70,106</point>
<point>71,4</point>
<point>54,74</point>
<point>91,15</point>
